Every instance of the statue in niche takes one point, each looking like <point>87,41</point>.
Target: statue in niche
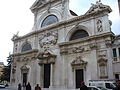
<point>16,45</point>
<point>99,25</point>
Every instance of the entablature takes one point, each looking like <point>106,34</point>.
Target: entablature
<point>25,56</point>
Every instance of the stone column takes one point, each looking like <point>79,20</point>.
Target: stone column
<point>51,76</point>
<point>41,75</point>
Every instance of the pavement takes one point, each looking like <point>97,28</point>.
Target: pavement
<point>9,88</point>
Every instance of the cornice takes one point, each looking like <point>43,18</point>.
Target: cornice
<point>67,22</point>
<point>24,53</point>
<point>43,5</point>
<point>94,37</point>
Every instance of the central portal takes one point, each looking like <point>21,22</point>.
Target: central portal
<point>79,77</point>
<point>46,75</point>
<point>24,79</point>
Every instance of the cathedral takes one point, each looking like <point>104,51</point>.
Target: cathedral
<point>64,49</point>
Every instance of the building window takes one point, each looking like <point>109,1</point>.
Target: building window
<point>117,76</point>
<point>79,34</point>
<point>119,51</point>
<point>114,52</point>
<point>26,47</point>
<point>49,20</point>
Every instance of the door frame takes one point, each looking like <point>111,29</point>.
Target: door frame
<point>74,75</point>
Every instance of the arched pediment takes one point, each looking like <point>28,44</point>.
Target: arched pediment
<point>46,15</point>
<point>78,28</point>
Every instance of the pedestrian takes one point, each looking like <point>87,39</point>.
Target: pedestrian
<point>37,87</point>
<point>19,86</point>
<point>28,86</point>
<point>83,86</point>
<point>117,85</point>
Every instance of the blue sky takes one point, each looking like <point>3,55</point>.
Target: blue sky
<point>16,16</point>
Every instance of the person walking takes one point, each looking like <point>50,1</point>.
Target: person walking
<point>117,85</point>
<point>37,87</point>
<point>83,86</point>
<point>28,86</point>
<point>19,86</point>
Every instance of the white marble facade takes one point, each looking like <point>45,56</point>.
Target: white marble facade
<point>55,54</point>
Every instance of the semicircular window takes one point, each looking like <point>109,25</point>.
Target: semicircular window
<point>26,47</point>
<point>79,34</point>
<point>49,20</point>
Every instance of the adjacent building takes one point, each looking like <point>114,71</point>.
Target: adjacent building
<point>64,49</point>
<point>1,68</point>
<point>116,56</point>
<point>119,5</point>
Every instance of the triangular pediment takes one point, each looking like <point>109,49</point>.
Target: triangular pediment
<point>98,7</point>
<point>38,3</point>
<point>24,67</point>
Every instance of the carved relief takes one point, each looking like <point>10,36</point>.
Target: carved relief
<point>108,43</point>
<point>24,68</point>
<point>46,53</point>
<point>46,56</point>
<point>102,54</point>
<point>64,51</point>
<point>25,57</point>
<point>72,50</point>
<point>93,46</point>
<point>79,62</point>
<point>49,38</point>
<point>77,49</point>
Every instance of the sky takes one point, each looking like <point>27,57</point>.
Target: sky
<point>15,16</point>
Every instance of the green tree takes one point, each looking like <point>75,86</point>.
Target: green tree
<point>7,70</point>
<point>6,73</point>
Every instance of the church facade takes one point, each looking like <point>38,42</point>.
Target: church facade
<point>64,49</point>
